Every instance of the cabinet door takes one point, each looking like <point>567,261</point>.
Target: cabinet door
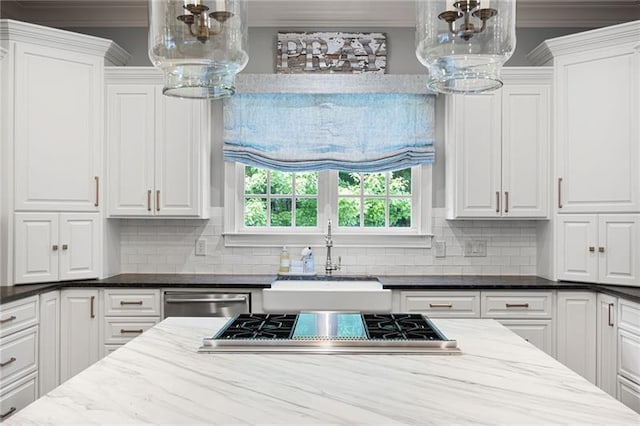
<point>606,343</point>
<point>58,111</point>
<point>49,357</point>
<point>179,136</point>
<point>79,245</point>
<point>130,136</point>
<point>577,248</point>
<point>537,332</point>
<point>79,333</point>
<point>36,247</point>
<point>576,335</point>
<point>618,239</point>
<point>597,131</point>
<point>473,130</point>
<point>525,150</point>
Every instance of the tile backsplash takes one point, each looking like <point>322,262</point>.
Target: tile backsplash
<point>168,246</point>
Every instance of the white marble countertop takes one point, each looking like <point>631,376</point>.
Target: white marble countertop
<point>159,378</point>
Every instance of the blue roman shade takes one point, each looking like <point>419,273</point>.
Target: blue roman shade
<point>370,132</point>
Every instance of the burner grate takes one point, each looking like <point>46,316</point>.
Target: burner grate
<point>400,327</point>
<point>260,326</point>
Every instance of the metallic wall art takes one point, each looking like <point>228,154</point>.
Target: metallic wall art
<point>331,52</point>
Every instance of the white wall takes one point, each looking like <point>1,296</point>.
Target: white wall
<point>168,246</point>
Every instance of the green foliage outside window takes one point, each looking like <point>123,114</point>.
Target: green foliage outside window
<point>280,199</point>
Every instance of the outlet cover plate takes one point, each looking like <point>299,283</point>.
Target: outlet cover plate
<point>475,248</point>
<point>201,247</point>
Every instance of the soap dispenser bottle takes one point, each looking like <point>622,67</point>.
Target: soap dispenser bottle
<point>284,260</point>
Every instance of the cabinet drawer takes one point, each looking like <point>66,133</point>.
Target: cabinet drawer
<point>629,355</point>
<point>517,304</point>
<point>629,393</point>
<point>629,314</point>
<point>442,304</point>
<point>18,355</point>
<point>17,315</point>
<point>121,330</point>
<point>18,395</point>
<point>131,302</point>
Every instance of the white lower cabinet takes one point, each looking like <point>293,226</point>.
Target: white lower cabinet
<point>606,344</point>
<point>56,246</point>
<point>529,314</point>
<point>537,332</point>
<point>127,314</point>
<point>629,353</point>
<point>576,332</point>
<point>18,355</point>
<point>80,331</point>
<point>18,395</point>
<point>49,357</point>
<point>442,304</point>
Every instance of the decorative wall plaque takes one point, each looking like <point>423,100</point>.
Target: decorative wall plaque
<point>331,52</point>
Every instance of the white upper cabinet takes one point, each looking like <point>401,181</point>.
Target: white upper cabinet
<point>58,98</point>
<point>158,146</point>
<point>597,91</point>
<point>53,115</point>
<point>599,248</point>
<point>497,149</point>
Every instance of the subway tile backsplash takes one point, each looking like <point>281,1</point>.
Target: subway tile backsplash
<point>168,246</point>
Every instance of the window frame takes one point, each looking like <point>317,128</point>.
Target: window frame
<point>418,235</point>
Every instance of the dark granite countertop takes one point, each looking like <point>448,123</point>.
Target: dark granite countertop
<point>418,282</point>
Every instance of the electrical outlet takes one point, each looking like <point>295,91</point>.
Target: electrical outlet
<point>441,248</point>
<point>201,247</point>
<point>475,248</point>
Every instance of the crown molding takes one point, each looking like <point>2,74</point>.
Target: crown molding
<point>317,13</point>
<point>527,75</point>
<point>601,38</point>
<point>52,37</point>
<point>133,75</point>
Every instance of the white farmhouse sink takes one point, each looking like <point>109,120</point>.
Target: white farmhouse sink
<point>354,294</point>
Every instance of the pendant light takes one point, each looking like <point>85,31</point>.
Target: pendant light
<point>464,44</point>
<point>200,45</point>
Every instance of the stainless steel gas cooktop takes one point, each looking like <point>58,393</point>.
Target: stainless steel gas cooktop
<point>330,333</point>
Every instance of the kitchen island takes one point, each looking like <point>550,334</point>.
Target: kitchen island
<point>160,378</point>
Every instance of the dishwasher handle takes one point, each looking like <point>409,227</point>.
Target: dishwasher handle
<point>240,299</point>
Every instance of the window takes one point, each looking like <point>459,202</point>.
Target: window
<point>278,199</point>
<point>389,208</point>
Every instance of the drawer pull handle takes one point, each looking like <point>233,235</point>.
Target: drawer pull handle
<point>97,179</point>
<point>440,305</point>
<point>11,318</point>
<point>559,192</point>
<point>517,305</point>
<point>8,413</point>
<point>126,302</point>
<point>12,359</point>
<point>610,315</point>
<point>125,331</point>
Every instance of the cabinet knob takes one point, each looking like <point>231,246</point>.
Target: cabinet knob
<point>601,249</point>
<point>592,249</point>
<point>54,247</point>
<point>65,246</point>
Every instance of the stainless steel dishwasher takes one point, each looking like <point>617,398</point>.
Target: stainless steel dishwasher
<point>205,304</point>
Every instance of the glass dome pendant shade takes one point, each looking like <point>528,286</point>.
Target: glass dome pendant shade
<point>465,43</point>
<point>200,45</point>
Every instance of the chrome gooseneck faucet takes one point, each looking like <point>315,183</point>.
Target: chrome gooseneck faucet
<point>329,267</point>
